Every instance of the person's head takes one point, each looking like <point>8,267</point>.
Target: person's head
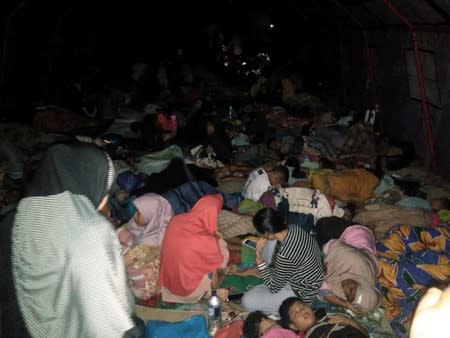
<point>279,175</point>
<point>349,211</point>
<point>296,315</point>
<point>257,324</point>
<point>139,219</point>
<point>152,212</point>
<point>268,222</point>
<point>207,210</point>
<point>79,168</point>
<point>332,227</point>
<point>350,287</point>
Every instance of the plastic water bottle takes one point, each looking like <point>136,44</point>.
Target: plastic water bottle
<point>214,313</point>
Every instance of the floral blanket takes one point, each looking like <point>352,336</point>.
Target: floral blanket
<point>410,259</point>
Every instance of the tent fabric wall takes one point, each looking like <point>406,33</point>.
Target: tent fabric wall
<point>403,117</point>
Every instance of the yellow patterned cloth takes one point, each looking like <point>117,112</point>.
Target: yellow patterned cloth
<point>410,258</point>
<point>355,185</point>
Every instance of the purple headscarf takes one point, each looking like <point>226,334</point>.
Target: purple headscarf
<point>157,213</point>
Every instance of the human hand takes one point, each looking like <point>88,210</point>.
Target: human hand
<point>223,293</point>
<point>219,235</point>
<point>259,247</point>
<point>233,270</point>
<point>432,313</point>
<point>354,309</point>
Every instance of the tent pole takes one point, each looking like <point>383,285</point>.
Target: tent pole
<point>421,78</point>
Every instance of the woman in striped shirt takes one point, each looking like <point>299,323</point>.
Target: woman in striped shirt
<point>292,264</point>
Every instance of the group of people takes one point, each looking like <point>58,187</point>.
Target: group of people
<point>73,271</point>
<point>289,260</point>
<point>298,319</point>
<point>68,259</point>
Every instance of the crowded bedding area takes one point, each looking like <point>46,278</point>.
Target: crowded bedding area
<point>304,220</point>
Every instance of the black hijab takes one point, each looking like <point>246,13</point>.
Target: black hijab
<point>82,169</point>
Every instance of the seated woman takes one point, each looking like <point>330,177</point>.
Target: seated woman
<point>141,240</point>
<point>351,270</point>
<point>257,324</point>
<point>295,269</point>
<point>298,316</point>
<point>68,272</point>
<point>193,254</point>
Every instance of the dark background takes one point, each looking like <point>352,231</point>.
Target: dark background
<point>352,51</point>
<point>49,42</point>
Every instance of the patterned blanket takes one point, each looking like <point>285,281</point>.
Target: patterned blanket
<point>375,322</point>
<point>410,259</point>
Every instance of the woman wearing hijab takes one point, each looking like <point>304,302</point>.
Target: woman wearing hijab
<point>148,225</point>
<point>68,273</point>
<point>351,270</point>
<point>141,242</point>
<point>193,253</point>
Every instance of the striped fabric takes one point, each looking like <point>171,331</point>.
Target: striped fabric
<point>297,261</point>
<point>68,272</point>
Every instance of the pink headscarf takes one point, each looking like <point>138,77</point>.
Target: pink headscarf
<point>157,213</point>
<point>190,248</point>
<point>359,236</point>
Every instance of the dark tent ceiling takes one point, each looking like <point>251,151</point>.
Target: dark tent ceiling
<point>171,21</point>
<point>120,33</point>
<point>158,18</point>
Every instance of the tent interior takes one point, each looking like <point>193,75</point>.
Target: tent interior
<point>354,93</point>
